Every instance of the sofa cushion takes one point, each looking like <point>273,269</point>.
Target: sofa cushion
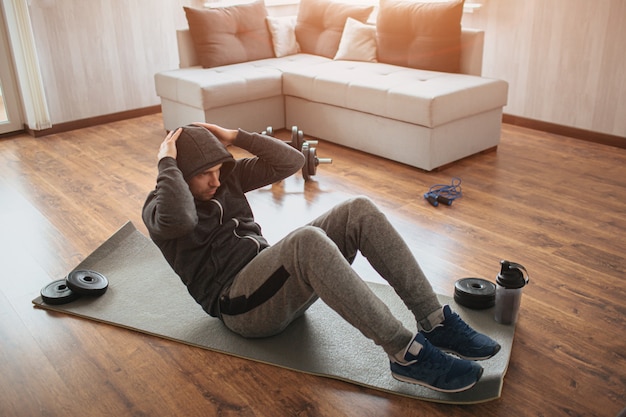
<point>424,35</point>
<point>321,22</point>
<point>358,42</point>
<point>208,88</point>
<point>283,31</point>
<point>229,35</point>
<point>425,98</point>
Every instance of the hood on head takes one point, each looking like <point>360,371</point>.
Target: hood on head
<point>198,150</point>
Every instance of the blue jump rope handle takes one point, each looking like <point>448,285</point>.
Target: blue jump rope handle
<point>432,199</point>
<point>444,200</point>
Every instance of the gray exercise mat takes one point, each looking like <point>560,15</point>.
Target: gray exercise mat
<point>145,295</point>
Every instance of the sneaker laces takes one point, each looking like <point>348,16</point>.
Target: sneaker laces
<point>432,358</point>
<point>458,326</point>
<point>452,332</point>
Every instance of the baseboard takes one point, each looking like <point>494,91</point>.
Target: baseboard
<point>94,121</point>
<point>571,132</point>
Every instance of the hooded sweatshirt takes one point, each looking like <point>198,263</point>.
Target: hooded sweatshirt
<point>208,242</point>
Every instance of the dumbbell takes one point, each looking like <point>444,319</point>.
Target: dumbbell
<point>311,161</point>
<point>297,137</point>
<point>307,147</point>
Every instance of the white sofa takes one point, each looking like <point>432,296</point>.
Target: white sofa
<point>425,119</point>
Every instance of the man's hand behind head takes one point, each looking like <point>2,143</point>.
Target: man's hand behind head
<point>168,146</point>
<point>226,136</point>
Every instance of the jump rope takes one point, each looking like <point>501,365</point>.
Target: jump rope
<point>444,194</point>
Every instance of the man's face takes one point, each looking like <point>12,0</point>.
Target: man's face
<point>204,185</point>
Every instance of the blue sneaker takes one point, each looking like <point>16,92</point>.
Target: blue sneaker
<point>434,369</point>
<point>455,336</point>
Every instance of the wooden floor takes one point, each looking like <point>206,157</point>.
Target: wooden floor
<point>556,205</point>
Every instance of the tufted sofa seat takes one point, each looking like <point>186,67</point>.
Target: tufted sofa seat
<point>421,118</point>
<point>248,95</point>
<point>425,98</point>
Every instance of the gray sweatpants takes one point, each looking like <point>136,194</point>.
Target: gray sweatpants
<point>318,258</point>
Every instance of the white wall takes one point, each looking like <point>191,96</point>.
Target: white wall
<point>565,60</point>
<point>99,57</point>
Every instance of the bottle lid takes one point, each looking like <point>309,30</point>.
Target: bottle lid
<point>512,275</point>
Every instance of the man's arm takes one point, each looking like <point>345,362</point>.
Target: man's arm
<point>275,160</point>
<point>169,211</point>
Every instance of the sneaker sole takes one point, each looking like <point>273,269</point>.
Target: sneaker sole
<point>424,384</point>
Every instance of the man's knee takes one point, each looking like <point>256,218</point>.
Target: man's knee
<point>364,206</point>
<point>312,241</point>
<point>308,235</point>
<point>362,201</point>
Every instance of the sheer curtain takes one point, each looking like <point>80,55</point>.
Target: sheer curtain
<point>29,77</point>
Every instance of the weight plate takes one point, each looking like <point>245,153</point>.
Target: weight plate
<point>310,167</point>
<point>476,293</point>
<point>312,158</point>
<point>297,138</point>
<point>57,292</point>
<point>300,141</point>
<point>86,282</point>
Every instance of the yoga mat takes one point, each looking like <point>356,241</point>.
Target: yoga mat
<point>145,295</point>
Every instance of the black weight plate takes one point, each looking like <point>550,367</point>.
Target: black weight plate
<point>295,138</point>
<point>476,293</point>
<point>57,292</point>
<point>312,161</point>
<point>86,282</point>
<point>309,168</point>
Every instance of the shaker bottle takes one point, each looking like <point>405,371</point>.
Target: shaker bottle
<point>509,284</point>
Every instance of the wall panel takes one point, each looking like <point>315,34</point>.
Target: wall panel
<point>564,59</point>
<point>99,57</point>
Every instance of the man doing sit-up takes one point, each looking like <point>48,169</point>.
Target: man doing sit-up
<point>199,217</point>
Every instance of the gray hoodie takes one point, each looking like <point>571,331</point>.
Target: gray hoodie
<point>208,242</point>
